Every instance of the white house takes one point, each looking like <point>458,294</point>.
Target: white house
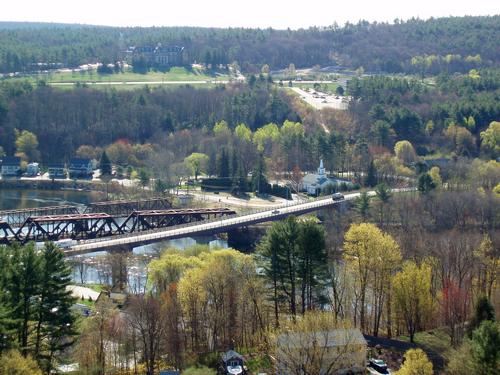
<point>314,182</point>
<point>33,169</point>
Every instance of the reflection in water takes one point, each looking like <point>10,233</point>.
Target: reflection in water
<point>23,198</point>
<point>95,268</point>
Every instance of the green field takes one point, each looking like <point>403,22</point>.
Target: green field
<point>175,74</point>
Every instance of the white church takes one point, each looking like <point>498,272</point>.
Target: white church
<point>312,182</point>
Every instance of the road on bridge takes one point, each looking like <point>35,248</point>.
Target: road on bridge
<point>206,227</point>
<point>212,226</point>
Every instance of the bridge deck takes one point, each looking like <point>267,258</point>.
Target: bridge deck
<point>206,227</point>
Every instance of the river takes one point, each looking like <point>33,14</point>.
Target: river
<point>95,268</point>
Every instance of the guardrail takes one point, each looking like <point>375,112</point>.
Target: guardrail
<point>226,221</point>
<point>206,224</point>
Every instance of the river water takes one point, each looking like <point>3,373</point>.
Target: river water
<point>94,268</point>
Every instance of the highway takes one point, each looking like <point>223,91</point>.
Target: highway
<point>202,228</point>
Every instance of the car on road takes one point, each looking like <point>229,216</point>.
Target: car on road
<point>377,366</point>
<point>337,196</point>
<point>276,212</point>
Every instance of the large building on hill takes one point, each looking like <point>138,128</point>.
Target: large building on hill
<point>159,55</point>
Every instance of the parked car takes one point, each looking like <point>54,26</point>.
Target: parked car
<point>377,366</point>
<point>337,196</point>
<point>276,212</point>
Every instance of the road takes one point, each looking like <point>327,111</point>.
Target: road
<point>206,227</point>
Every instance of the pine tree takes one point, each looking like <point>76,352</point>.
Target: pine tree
<point>105,164</point>
<point>259,182</point>
<point>55,324</point>
<point>223,164</point>
<point>425,183</point>
<point>22,283</point>
<point>371,175</point>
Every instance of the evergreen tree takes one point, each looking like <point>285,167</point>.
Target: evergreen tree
<point>312,265</point>
<point>363,205</point>
<point>259,182</point>
<point>23,286</point>
<point>486,348</point>
<point>425,183</point>
<point>105,164</point>
<point>223,164</point>
<point>55,324</point>
<point>371,175</point>
<point>483,311</point>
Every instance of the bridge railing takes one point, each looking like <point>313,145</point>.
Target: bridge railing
<point>218,220</point>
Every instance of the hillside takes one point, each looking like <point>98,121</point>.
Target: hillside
<point>453,43</point>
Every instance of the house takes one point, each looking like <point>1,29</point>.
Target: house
<point>168,55</point>
<point>80,168</point>
<point>57,171</point>
<point>11,166</point>
<point>345,349</point>
<point>313,183</point>
<point>233,363</point>
<point>160,56</point>
<point>32,170</point>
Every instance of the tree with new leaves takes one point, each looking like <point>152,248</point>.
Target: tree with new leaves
<point>243,132</point>
<point>413,300</point>
<point>372,255</point>
<point>415,363</point>
<point>13,363</point>
<point>27,145</point>
<point>405,152</point>
<point>488,259</point>
<point>454,304</point>
<point>436,176</point>
<point>490,139</point>
<point>198,163</point>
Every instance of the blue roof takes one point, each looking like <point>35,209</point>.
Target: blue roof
<point>11,160</point>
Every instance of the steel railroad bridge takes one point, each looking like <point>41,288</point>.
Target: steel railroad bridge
<point>98,225</point>
<point>114,208</point>
<point>220,224</point>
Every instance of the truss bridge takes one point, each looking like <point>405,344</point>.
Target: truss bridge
<point>90,226</point>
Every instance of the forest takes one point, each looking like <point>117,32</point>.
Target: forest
<point>403,46</point>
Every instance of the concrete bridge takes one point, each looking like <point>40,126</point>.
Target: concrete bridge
<point>206,227</point>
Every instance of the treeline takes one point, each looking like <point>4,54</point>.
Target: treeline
<point>449,116</point>
<point>464,43</point>
<point>64,120</point>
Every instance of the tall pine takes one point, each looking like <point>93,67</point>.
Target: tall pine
<point>55,323</point>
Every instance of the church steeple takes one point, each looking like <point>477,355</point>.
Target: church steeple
<point>321,169</point>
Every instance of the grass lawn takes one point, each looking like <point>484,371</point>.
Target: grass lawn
<point>435,339</point>
<point>172,75</point>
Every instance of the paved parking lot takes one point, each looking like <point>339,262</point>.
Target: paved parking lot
<point>321,100</point>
